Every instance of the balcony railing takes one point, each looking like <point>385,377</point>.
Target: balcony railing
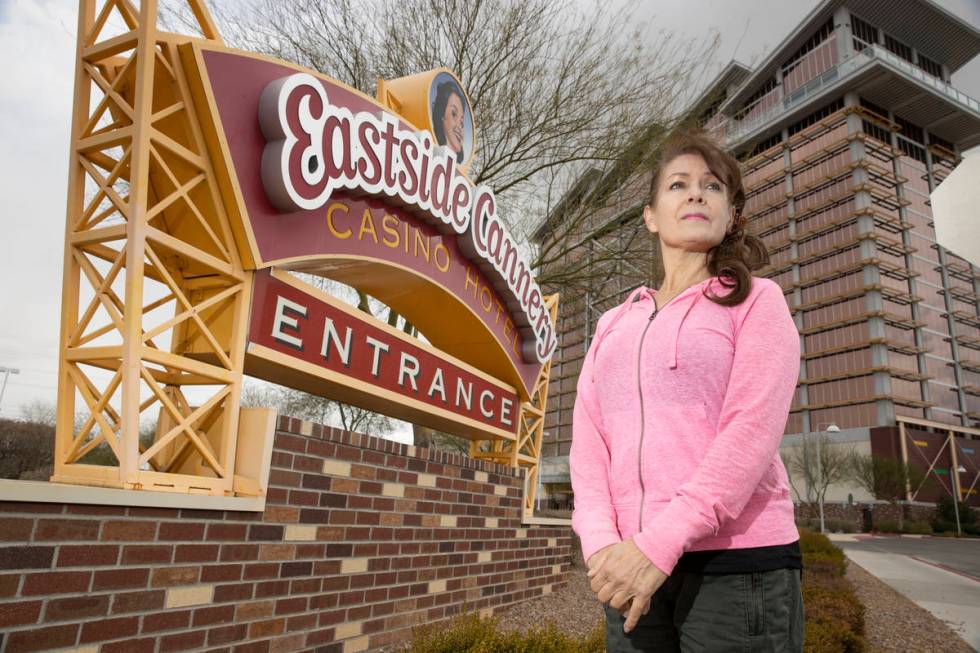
<point>737,130</point>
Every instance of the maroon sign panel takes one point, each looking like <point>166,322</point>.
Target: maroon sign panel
<point>357,230</point>
<point>361,361</point>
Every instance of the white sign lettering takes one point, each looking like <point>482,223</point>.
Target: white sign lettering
<point>315,148</point>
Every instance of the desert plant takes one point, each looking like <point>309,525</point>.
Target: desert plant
<point>812,542</point>
<point>888,526</point>
<point>834,616</point>
<point>470,634</point>
<point>946,513</point>
<point>917,527</point>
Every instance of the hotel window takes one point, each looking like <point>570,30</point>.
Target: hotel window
<point>816,116</point>
<point>766,88</point>
<point>863,33</point>
<point>941,142</point>
<point>899,48</point>
<point>822,34</point>
<point>770,142</point>
<point>911,149</point>
<point>933,68</point>
<point>877,131</point>
<point>910,131</point>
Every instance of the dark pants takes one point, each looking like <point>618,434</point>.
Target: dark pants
<point>727,613</point>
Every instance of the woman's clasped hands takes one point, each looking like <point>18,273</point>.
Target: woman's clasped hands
<point>622,576</point>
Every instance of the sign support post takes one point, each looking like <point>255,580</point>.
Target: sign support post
<point>146,232</point>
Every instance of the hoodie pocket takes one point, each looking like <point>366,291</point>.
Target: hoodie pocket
<point>676,439</point>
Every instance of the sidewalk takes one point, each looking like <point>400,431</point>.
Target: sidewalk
<point>950,596</point>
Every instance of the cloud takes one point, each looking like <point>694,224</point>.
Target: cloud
<point>35,115</point>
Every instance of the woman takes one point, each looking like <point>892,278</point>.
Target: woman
<point>447,117</point>
<point>681,500</point>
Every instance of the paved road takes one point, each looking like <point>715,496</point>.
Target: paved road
<point>912,566</point>
<point>958,555</point>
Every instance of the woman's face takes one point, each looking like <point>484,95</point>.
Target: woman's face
<point>452,123</point>
<point>692,211</point>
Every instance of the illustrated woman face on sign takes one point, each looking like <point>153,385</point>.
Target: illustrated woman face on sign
<point>451,120</point>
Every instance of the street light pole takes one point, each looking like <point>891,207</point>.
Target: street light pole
<point>7,371</point>
<point>831,428</point>
<point>956,500</point>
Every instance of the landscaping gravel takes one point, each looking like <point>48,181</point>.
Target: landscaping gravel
<point>893,624</point>
<point>573,609</point>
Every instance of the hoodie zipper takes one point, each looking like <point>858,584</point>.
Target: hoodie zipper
<point>639,385</point>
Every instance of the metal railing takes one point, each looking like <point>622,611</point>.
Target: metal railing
<point>737,130</point>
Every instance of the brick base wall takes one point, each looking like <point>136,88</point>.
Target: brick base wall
<point>361,539</point>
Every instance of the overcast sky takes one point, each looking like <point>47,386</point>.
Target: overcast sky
<point>37,40</point>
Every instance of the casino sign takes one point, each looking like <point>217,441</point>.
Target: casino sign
<point>219,175</point>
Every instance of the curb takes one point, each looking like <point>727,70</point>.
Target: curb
<point>940,565</point>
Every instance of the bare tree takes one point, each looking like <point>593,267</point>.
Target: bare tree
<point>321,410</point>
<point>39,411</point>
<point>817,471</point>
<point>555,90</point>
<point>887,478</point>
<point>559,95</point>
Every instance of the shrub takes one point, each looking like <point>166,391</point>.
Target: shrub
<point>811,542</point>
<point>834,605</point>
<point>887,526</point>
<point>946,512</point>
<point>825,563</point>
<point>470,634</point>
<point>834,616</point>
<point>841,526</point>
<point>918,527</point>
<point>808,523</point>
<point>25,446</point>
<point>943,526</point>
<point>949,528</point>
<point>828,637</point>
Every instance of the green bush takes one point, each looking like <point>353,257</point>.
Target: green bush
<point>825,565</point>
<point>834,616</point>
<point>25,446</point>
<point>945,512</point>
<point>887,526</point>
<point>840,526</point>
<point>828,637</point>
<point>812,542</point>
<point>808,524</point>
<point>945,520</point>
<point>943,527</point>
<point>918,528</point>
<point>470,634</point>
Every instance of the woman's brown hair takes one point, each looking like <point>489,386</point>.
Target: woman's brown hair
<point>739,253</point>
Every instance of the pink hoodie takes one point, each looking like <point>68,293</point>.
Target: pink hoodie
<point>677,422</point>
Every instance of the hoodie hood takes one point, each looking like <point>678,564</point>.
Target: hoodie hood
<point>642,297</point>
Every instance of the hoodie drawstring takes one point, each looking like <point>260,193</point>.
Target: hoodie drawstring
<point>672,361</point>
